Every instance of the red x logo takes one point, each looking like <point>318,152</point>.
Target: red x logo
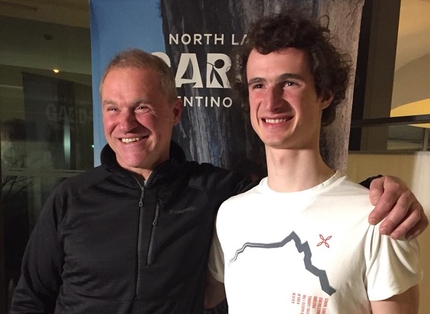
<point>324,241</point>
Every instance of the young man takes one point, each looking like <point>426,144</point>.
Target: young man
<point>300,241</point>
<point>133,235</point>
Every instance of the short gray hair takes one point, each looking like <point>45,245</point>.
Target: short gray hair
<point>139,59</point>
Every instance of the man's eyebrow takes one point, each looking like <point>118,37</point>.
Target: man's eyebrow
<point>255,80</point>
<point>136,102</point>
<point>108,102</point>
<point>280,78</point>
<point>290,76</point>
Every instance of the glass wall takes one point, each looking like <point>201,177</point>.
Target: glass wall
<point>46,124</point>
<point>391,111</point>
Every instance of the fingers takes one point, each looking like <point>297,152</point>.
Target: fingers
<point>402,217</point>
<point>403,227</point>
<point>414,223</point>
<point>419,227</point>
<point>388,194</point>
<point>376,189</point>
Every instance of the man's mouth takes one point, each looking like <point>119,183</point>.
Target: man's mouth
<point>273,121</point>
<point>130,139</point>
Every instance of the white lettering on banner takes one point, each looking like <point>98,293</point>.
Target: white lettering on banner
<point>217,65</point>
<point>206,101</point>
<point>196,39</point>
<point>219,39</point>
<point>186,60</point>
<point>67,113</point>
<point>233,40</point>
<point>163,56</point>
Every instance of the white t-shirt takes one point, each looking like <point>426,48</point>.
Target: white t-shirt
<point>309,252</point>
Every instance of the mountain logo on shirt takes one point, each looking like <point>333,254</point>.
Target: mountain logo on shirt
<point>301,248</point>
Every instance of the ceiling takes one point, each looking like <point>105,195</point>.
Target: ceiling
<point>65,12</point>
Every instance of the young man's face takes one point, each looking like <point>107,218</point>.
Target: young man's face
<point>284,107</point>
<point>137,118</point>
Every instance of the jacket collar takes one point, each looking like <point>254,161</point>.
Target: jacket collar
<point>159,174</point>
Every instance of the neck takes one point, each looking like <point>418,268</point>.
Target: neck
<point>292,170</point>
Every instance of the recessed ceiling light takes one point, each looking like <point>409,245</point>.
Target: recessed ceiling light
<point>55,71</point>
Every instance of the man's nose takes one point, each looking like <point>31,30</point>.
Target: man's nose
<point>273,98</point>
<point>128,121</point>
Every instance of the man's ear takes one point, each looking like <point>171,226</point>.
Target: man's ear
<point>177,110</point>
<point>326,99</point>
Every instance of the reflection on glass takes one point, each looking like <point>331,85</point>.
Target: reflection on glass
<point>45,122</point>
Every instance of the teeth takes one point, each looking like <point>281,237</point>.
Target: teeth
<point>130,139</point>
<point>275,120</point>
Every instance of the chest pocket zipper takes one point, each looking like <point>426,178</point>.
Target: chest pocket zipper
<point>151,254</point>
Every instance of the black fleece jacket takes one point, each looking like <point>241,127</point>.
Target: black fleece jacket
<point>106,243</point>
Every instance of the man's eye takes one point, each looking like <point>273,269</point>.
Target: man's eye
<point>112,109</point>
<point>256,86</point>
<point>289,83</point>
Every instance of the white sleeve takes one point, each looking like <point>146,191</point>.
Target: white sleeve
<point>392,265</point>
<point>216,259</point>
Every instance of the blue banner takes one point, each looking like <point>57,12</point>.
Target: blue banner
<point>118,25</point>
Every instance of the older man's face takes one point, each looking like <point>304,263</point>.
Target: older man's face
<point>137,118</point>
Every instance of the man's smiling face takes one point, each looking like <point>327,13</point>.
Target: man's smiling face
<point>137,118</point>
<point>285,110</point>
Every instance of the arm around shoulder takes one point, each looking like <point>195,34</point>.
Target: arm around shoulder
<point>404,303</point>
<point>394,201</point>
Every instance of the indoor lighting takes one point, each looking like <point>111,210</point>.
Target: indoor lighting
<point>420,107</point>
<point>56,71</point>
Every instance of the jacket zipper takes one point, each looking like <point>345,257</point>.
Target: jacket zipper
<point>139,242</point>
<point>150,255</point>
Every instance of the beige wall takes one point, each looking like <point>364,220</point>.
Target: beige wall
<point>414,169</point>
